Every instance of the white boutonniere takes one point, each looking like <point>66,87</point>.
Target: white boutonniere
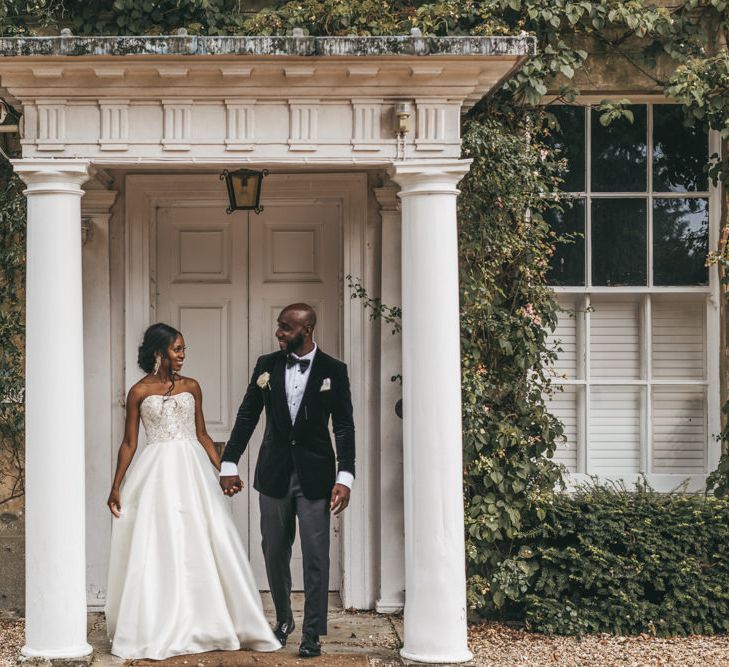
<point>326,385</point>
<point>263,379</point>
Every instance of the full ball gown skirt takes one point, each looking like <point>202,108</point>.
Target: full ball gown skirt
<point>179,577</point>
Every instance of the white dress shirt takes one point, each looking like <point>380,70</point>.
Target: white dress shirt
<point>295,382</point>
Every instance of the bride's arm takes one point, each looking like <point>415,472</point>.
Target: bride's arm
<point>202,435</point>
<point>126,449</point>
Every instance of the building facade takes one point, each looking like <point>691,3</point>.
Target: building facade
<point>123,143</point>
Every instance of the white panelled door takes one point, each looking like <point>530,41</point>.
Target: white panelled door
<point>222,280</point>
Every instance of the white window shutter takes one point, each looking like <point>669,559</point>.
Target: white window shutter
<point>679,430</point>
<point>564,338</point>
<point>679,350</point>
<point>563,405</point>
<point>614,430</point>
<point>615,339</point>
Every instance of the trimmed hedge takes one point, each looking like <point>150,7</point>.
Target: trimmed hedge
<point>609,560</point>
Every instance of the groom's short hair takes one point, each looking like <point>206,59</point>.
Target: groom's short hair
<point>305,308</point>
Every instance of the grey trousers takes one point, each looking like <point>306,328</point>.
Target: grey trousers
<point>278,529</point>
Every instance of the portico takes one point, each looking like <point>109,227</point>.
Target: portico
<point>361,136</point>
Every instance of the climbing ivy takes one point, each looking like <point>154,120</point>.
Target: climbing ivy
<point>507,311</point>
<point>12,313</point>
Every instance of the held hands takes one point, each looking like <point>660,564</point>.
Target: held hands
<point>114,502</point>
<point>340,499</point>
<point>231,484</point>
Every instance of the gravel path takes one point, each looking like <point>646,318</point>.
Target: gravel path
<point>11,641</point>
<point>497,645</point>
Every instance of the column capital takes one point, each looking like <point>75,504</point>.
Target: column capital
<point>420,177</point>
<point>52,176</point>
<point>95,210</point>
<point>387,197</point>
<point>97,203</point>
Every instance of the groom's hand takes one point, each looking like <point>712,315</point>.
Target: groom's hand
<point>231,484</point>
<point>340,499</point>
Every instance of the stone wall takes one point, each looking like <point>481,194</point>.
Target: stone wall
<point>12,559</point>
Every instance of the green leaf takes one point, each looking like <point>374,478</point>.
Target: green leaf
<point>567,71</point>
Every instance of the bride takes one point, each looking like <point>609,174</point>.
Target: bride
<point>179,578</point>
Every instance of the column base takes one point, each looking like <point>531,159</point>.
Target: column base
<point>78,656</point>
<point>409,658</point>
<point>389,606</point>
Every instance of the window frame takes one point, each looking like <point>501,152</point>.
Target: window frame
<point>582,297</point>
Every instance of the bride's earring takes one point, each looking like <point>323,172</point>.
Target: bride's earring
<point>157,363</point>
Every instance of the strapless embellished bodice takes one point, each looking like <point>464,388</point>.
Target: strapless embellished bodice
<point>169,417</point>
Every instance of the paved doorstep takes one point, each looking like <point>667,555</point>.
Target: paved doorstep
<point>355,639</point>
<point>246,659</point>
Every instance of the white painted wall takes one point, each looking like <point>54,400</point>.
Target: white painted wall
<point>98,387</point>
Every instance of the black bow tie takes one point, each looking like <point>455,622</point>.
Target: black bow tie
<point>291,360</point>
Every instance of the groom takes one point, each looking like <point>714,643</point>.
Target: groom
<point>296,474</point>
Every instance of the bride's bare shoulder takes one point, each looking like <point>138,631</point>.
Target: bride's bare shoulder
<point>139,391</point>
<point>145,381</point>
<point>188,384</point>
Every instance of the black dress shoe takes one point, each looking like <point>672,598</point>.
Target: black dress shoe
<point>310,646</point>
<point>283,629</point>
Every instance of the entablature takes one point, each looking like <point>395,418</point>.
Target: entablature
<point>119,100</point>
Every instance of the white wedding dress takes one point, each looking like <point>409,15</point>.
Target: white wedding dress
<point>179,577</point>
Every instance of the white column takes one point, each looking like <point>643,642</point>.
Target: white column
<point>55,613</point>
<point>435,580</point>
<point>392,556</point>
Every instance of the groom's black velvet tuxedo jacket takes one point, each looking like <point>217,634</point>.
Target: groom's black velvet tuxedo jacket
<point>304,445</point>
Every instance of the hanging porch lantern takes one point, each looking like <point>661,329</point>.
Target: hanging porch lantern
<point>244,189</point>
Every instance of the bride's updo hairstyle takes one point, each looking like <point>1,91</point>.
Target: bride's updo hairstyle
<point>156,340</point>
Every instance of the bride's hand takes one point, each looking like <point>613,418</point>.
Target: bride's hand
<point>231,484</point>
<point>114,502</point>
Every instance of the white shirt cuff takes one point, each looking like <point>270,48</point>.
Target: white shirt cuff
<point>346,478</point>
<point>228,469</point>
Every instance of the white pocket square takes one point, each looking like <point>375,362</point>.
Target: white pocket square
<point>326,385</point>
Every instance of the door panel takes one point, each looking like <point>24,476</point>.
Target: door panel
<point>209,324</point>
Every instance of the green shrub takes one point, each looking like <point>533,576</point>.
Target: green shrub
<point>608,560</point>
